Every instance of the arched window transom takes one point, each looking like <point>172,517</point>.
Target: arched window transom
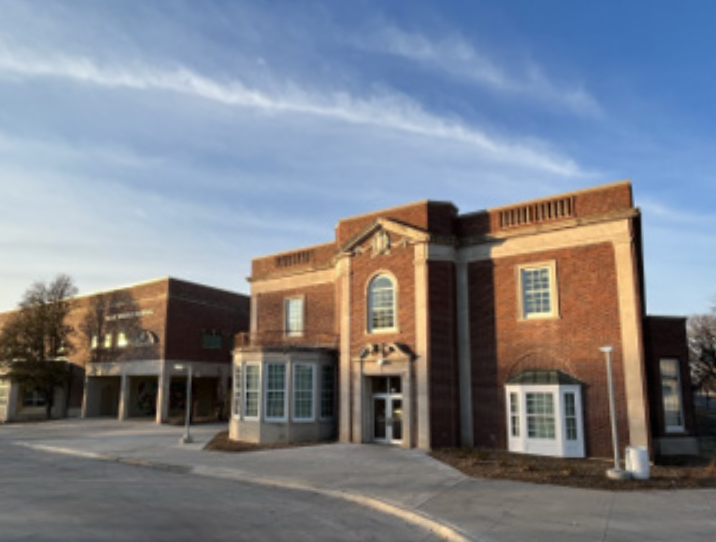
<point>381,304</point>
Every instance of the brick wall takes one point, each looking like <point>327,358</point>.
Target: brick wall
<point>503,345</point>
<point>194,310</point>
<point>400,264</point>
<point>442,353</point>
<point>665,337</point>
<point>320,317</point>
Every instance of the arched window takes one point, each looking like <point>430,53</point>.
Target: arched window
<point>381,304</point>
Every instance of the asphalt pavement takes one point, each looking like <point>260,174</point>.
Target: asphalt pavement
<point>405,484</point>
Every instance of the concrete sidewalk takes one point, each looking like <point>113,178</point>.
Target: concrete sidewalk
<point>404,483</point>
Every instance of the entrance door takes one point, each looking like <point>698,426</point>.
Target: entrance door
<point>387,411</point>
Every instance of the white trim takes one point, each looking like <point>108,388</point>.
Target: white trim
<point>671,429</point>
<point>237,388</point>
<point>244,394</point>
<point>286,323</point>
<point>267,366</point>
<point>296,366</point>
<point>551,267</point>
<point>369,304</point>
<point>560,445</point>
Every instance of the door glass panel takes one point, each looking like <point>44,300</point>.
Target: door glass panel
<point>380,385</point>
<point>394,383</point>
<point>397,419</point>
<point>379,419</point>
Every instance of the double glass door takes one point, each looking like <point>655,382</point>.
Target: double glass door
<point>387,410</point>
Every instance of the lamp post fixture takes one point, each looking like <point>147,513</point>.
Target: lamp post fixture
<point>186,438</point>
<point>617,473</point>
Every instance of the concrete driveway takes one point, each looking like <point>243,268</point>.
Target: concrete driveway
<point>405,484</point>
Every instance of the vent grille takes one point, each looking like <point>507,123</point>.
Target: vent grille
<point>295,258</point>
<point>537,213</point>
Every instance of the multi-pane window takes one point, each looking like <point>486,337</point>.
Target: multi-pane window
<point>276,391</point>
<point>671,395</point>
<point>33,398</point>
<point>108,340</point>
<point>4,392</point>
<point>381,304</point>
<point>570,417</point>
<point>540,415</point>
<point>94,342</point>
<point>252,385</point>
<point>212,340</point>
<point>122,341</point>
<point>545,418</point>
<point>237,390</point>
<point>294,316</point>
<point>537,291</point>
<point>328,391</point>
<point>303,392</point>
<point>515,414</point>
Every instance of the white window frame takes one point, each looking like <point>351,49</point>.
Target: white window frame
<point>323,394</point>
<point>245,392</point>
<point>4,392</point>
<point>551,268</point>
<point>295,371</point>
<point>267,392</point>
<point>369,304</point>
<point>238,399</point>
<point>680,428</point>
<point>561,446</point>
<point>289,331</point>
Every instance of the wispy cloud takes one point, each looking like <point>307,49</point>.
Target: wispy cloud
<point>673,215</point>
<point>385,110</point>
<point>456,56</point>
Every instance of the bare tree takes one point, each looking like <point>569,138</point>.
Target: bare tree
<point>36,340</point>
<point>701,330</point>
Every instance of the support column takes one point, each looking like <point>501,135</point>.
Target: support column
<point>124,398</point>
<point>464,354</point>
<point>164,379</point>
<point>345,369</point>
<point>421,343</point>
<point>632,353</point>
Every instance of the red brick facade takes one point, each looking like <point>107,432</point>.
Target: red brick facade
<point>141,332</point>
<point>457,343</point>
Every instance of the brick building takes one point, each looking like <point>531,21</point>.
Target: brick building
<point>133,349</point>
<point>424,327</point>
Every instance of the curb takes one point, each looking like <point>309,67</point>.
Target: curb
<point>428,523</point>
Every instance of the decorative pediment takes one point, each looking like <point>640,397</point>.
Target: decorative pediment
<point>382,353</point>
<point>381,241</point>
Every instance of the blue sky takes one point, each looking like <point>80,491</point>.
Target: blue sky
<point>146,139</point>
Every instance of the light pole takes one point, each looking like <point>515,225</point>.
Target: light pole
<point>186,438</point>
<point>617,473</point>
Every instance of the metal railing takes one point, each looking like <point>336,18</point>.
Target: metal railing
<point>281,338</point>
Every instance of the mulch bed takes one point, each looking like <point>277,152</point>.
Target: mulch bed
<point>681,472</point>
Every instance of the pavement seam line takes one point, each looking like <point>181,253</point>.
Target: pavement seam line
<point>440,528</point>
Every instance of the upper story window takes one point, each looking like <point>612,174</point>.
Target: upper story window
<point>381,304</point>
<point>122,341</point>
<point>537,291</point>
<point>294,316</point>
<point>671,395</point>
<point>212,340</point>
